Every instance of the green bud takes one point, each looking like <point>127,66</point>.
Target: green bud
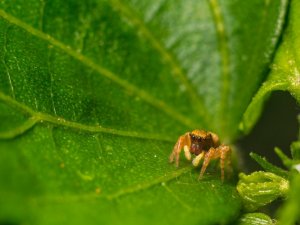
<point>261,188</point>
<point>256,219</point>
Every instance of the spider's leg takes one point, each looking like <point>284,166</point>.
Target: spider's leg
<point>187,152</point>
<point>228,160</point>
<point>208,156</point>
<point>182,142</point>
<point>175,149</point>
<point>215,139</point>
<point>224,154</point>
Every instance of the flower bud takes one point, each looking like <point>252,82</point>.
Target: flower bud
<point>261,188</point>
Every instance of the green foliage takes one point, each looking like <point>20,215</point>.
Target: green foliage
<point>94,94</point>
<point>287,162</point>
<point>289,214</point>
<point>267,166</point>
<point>295,150</point>
<point>284,77</point>
<point>261,188</point>
<point>285,70</point>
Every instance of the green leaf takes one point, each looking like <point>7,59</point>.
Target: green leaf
<point>285,72</point>
<point>94,94</point>
<point>267,166</point>
<point>295,149</point>
<point>287,162</point>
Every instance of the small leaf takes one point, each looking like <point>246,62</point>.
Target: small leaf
<point>284,158</point>
<point>269,167</point>
<point>295,149</point>
<point>261,188</point>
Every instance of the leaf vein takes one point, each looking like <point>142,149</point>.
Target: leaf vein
<point>168,57</point>
<point>27,125</point>
<point>5,64</point>
<point>51,82</point>
<point>225,59</point>
<point>120,193</point>
<point>148,184</point>
<point>177,198</point>
<point>43,117</point>
<point>101,70</point>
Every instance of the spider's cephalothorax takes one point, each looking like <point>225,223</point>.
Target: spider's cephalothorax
<point>204,145</point>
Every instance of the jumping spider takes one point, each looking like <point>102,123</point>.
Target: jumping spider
<point>202,144</point>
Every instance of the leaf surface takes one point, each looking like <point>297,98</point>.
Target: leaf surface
<point>285,75</point>
<point>94,94</point>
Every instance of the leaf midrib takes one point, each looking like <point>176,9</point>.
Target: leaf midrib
<point>35,117</point>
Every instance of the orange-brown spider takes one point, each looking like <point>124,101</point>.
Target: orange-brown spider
<point>202,144</point>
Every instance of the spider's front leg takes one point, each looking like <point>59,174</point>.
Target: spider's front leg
<point>183,142</point>
<point>222,152</point>
<point>212,152</point>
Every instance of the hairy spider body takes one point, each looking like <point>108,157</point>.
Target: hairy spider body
<point>204,145</point>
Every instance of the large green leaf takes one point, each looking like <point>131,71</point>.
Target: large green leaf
<point>95,93</point>
<point>285,73</point>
